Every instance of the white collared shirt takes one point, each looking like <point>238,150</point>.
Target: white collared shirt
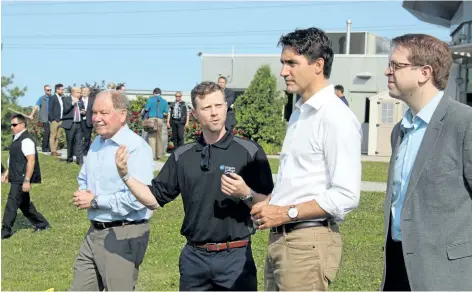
<point>59,98</point>
<point>27,146</point>
<point>321,156</point>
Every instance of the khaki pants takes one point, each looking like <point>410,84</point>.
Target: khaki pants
<point>110,258</point>
<point>158,140</point>
<point>305,259</point>
<point>54,136</point>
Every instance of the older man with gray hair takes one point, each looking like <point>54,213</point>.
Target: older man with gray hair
<point>117,239</point>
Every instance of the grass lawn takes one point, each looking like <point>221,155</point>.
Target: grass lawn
<point>45,260</point>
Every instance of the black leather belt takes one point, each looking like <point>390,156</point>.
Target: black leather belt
<point>104,225</point>
<point>299,225</point>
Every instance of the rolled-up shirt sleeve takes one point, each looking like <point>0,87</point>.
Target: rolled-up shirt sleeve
<point>140,167</point>
<point>342,144</point>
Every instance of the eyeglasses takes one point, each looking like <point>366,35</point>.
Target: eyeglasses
<point>48,89</point>
<point>205,162</point>
<point>394,66</point>
<point>178,96</point>
<point>14,125</point>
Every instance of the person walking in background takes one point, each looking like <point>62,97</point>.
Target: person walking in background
<point>157,109</point>
<point>178,119</point>
<point>230,100</point>
<point>72,123</point>
<point>55,118</point>
<point>42,106</point>
<point>23,170</point>
<point>86,106</point>
<point>339,90</point>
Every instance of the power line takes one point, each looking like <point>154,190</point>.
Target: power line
<point>191,34</point>
<point>172,10</point>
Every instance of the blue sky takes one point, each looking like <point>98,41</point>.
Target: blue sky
<point>155,44</point>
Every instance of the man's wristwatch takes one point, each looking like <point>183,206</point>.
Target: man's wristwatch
<point>249,197</point>
<point>126,177</point>
<point>94,203</point>
<point>27,180</point>
<point>293,213</point>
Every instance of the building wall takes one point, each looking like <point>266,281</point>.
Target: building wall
<point>463,14</point>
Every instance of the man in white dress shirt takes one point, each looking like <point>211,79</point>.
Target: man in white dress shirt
<point>319,175</point>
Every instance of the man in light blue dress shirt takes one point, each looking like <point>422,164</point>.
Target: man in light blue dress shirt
<point>413,128</point>
<point>116,242</point>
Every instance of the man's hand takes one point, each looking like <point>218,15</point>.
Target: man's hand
<point>267,216</point>
<point>82,199</point>
<point>186,126</point>
<point>26,187</point>
<point>74,100</point>
<point>168,125</point>
<point>234,186</point>
<point>5,177</point>
<point>121,160</point>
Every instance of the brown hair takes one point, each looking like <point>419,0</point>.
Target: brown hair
<point>428,50</point>
<point>203,89</point>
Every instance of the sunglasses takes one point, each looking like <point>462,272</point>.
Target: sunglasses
<point>14,125</point>
<point>48,89</point>
<point>205,162</point>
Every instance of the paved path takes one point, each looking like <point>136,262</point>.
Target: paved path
<point>366,186</point>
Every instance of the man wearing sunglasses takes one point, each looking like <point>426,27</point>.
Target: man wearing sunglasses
<point>220,178</point>
<point>42,105</point>
<point>427,212</point>
<point>23,170</point>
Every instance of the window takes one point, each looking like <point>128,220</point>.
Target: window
<point>462,34</point>
<point>387,113</point>
<point>469,80</point>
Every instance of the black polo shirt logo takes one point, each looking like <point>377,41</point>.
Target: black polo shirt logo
<point>227,169</point>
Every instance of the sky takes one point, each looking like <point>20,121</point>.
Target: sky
<point>155,44</point>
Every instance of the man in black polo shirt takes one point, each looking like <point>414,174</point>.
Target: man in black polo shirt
<point>220,178</point>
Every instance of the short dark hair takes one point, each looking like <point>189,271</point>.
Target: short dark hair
<point>339,87</point>
<point>157,90</point>
<point>427,50</point>
<point>313,43</point>
<point>203,89</point>
<point>59,85</point>
<point>120,86</point>
<point>21,118</point>
<point>224,78</point>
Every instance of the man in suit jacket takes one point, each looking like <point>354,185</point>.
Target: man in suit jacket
<point>71,122</point>
<point>230,100</point>
<point>85,106</point>
<point>428,207</point>
<point>55,118</point>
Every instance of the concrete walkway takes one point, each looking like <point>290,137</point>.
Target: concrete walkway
<point>366,186</point>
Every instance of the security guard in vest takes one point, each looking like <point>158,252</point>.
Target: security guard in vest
<point>220,178</point>
<point>23,170</point>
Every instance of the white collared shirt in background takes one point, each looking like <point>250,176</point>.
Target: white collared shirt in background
<point>321,156</point>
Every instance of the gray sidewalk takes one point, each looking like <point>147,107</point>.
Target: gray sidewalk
<point>366,186</point>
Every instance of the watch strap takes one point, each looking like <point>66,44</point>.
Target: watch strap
<point>126,177</point>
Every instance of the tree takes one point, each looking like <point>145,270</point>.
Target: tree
<point>10,98</point>
<point>259,110</point>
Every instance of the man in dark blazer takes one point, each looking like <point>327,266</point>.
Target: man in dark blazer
<point>71,122</point>
<point>230,100</point>
<point>85,106</point>
<point>55,118</point>
<point>428,207</point>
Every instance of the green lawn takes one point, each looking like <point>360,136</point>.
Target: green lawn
<point>371,171</point>
<point>45,260</point>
